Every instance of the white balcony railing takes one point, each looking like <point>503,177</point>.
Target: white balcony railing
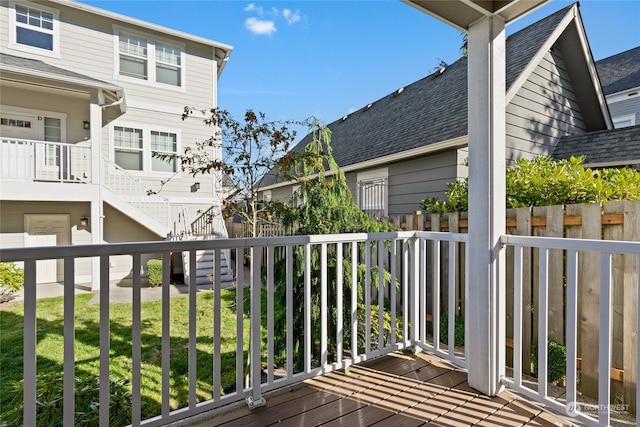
<point>304,314</point>
<point>44,161</point>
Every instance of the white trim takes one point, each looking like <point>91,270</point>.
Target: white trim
<point>627,117</point>
<point>151,60</point>
<point>614,163</point>
<point>623,95</point>
<point>391,158</point>
<point>55,32</point>
<point>146,128</point>
<point>373,174</point>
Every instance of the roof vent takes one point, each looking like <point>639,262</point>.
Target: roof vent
<point>399,91</point>
<point>368,106</point>
<point>442,70</point>
<point>345,118</point>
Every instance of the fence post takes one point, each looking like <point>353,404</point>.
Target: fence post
<point>630,327</point>
<point>589,294</point>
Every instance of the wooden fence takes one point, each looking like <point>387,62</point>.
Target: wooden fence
<point>610,221</point>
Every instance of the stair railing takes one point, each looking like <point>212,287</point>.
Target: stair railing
<point>136,193</point>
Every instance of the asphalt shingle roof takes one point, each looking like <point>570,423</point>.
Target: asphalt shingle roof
<point>428,111</point>
<point>39,67</point>
<point>620,72</point>
<point>613,145</point>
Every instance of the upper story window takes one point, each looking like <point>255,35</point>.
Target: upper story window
<point>168,64</point>
<point>146,59</point>
<point>34,29</point>
<point>133,56</point>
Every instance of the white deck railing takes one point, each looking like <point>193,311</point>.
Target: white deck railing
<point>573,250</point>
<point>44,161</point>
<point>318,325</point>
<point>304,268</point>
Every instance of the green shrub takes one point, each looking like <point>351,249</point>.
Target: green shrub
<point>11,280</point>
<point>49,400</point>
<point>556,361</point>
<point>458,329</point>
<point>154,266</point>
<point>545,182</point>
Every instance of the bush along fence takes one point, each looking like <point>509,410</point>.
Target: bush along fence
<point>618,220</point>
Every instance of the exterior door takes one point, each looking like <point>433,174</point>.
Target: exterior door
<point>48,230</point>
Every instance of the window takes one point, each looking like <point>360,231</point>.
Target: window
<point>52,133</point>
<point>163,143</point>
<point>168,59</point>
<point>146,59</point>
<point>128,148</point>
<point>372,193</point>
<point>33,29</point>
<point>15,123</point>
<point>133,56</point>
<point>134,149</point>
<point>624,121</point>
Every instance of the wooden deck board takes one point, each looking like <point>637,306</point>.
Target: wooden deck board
<point>397,390</point>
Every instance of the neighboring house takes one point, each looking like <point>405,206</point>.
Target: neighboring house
<point>87,97</point>
<point>620,78</point>
<point>408,145</point>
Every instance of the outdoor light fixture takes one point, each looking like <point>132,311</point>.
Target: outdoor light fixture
<point>86,124</point>
<point>196,185</point>
<point>84,221</point>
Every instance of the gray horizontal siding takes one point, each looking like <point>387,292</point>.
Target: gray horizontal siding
<point>626,107</point>
<point>543,110</point>
<point>416,179</point>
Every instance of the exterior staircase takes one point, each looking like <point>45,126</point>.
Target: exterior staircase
<point>209,225</point>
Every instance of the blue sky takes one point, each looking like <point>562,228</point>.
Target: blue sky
<point>295,59</point>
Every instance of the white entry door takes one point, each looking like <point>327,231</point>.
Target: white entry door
<point>47,230</point>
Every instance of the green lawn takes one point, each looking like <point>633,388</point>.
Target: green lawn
<point>87,339</point>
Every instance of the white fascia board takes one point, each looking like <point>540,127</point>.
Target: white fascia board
<point>391,158</point>
<point>612,164</point>
<point>623,95</point>
<point>60,78</point>
<point>591,65</point>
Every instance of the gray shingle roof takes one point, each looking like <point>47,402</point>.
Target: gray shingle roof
<point>620,72</point>
<point>37,67</point>
<point>428,111</point>
<point>621,146</point>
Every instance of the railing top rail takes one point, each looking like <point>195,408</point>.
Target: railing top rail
<point>33,141</point>
<point>149,191</point>
<point>609,246</point>
<point>442,235</point>
<point>83,251</point>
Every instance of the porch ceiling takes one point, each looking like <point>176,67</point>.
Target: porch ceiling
<point>462,13</point>
<point>15,69</point>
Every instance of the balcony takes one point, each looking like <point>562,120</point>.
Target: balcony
<point>320,330</point>
<point>45,161</point>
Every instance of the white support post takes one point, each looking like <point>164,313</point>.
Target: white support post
<point>486,83</point>
<point>97,216</point>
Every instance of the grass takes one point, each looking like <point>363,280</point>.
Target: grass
<point>87,339</point>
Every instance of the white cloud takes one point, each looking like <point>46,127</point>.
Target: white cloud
<point>251,7</point>
<point>290,16</point>
<point>260,27</point>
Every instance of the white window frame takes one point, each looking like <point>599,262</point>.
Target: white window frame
<point>14,24</point>
<point>631,118</point>
<point>372,175</point>
<point>146,148</point>
<point>152,62</point>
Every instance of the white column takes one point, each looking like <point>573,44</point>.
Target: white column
<point>96,219</point>
<point>485,342</point>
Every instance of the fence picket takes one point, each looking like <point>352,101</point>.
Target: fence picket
<point>630,318</point>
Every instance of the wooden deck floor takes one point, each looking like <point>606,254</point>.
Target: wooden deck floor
<point>398,390</point>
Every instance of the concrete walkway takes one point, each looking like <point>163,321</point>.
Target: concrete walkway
<point>120,291</point>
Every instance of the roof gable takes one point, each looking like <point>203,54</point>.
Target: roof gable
<point>434,109</point>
